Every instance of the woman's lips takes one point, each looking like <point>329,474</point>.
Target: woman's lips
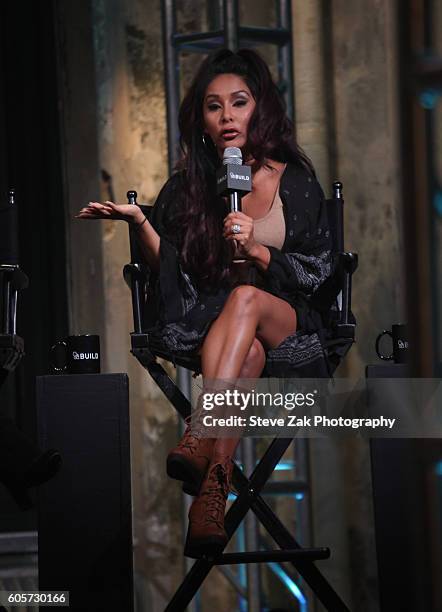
<point>229,135</point>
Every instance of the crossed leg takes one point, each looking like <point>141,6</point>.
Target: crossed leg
<point>248,314</point>
<point>250,321</point>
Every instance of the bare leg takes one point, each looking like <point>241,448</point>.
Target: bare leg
<point>252,368</point>
<point>249,313</point>
<point>250,320</point>
<point>233,347</point>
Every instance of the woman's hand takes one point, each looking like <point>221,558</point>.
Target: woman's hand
<point>147,236</point>
<point>246,244</point>
<point>109,210</point>
<point>244,238</point>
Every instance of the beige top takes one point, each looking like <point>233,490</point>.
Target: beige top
<point>270,229</point>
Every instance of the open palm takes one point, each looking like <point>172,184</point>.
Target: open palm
<point>109,210</point>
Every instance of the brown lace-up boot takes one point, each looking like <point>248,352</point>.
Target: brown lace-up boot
<point>189,460</point>
<point>206,534</point>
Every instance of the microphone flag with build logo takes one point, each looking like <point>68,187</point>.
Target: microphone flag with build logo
<point>9,230</point>
<point>233,176</point>
<point>77,356</point>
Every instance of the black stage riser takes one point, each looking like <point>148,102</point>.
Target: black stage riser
<point>85,525</point>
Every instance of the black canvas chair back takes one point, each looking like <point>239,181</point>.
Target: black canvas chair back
<point>334,298</point>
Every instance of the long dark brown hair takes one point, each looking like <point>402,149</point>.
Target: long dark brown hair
<point>206,254</point>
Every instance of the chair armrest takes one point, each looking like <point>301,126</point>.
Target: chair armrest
<point>136,272</point>
<point>136,254</point>
<point>348,263</point>
<point>137,279</point>
<point>12,280</point>
<point>16,277</point>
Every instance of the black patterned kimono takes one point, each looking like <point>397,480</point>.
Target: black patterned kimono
<point>182,314</point>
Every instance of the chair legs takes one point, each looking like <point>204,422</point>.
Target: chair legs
<point>248,498</point>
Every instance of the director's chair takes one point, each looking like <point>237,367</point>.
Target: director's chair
<point>335,294</point>
<point>12,280</point>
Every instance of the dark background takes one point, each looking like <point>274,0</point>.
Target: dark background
<point>30,162</point>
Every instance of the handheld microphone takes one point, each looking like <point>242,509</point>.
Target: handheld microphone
<point>233,179</point>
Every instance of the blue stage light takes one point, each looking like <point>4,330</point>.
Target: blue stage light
<point>429,98</point>
<point>290,584</point>
<point>437,202</point>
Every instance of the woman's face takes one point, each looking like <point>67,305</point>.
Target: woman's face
<point>228,106</point>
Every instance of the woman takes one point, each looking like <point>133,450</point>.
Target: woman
<point>240,330</point>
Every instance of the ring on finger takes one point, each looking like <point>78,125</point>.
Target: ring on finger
<point>236,228</point>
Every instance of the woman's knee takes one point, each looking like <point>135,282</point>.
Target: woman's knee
<point>244,299</point>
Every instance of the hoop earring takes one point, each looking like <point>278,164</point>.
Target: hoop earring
<point>205,143</point>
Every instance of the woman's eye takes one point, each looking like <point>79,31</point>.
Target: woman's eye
<point>213,107</point>
<point>240,102</point>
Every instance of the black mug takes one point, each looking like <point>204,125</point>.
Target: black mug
<point>77,355</point>
<point>399,337</point>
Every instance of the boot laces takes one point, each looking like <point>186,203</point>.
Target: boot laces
<point>216,494</point>
<point>193,431</point>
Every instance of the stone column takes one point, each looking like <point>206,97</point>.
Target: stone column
<point>346,106</point>
<point>312,123</point>
<point>313,127</point>
<point>367,158</point>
